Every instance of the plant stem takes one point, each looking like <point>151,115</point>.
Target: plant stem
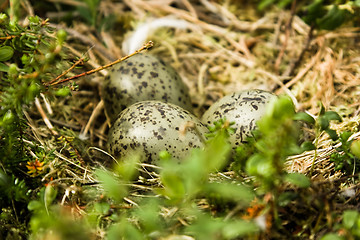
<point>315,151</point>
<point>147,46</point>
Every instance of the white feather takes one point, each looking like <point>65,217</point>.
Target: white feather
<point>138,38</point>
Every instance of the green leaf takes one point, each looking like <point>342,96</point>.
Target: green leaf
<point>239,228</point>
<point>332,236</point>
<point>206,227</point>
<point>331,115</point>
<point>164,155</point>
<point>281,108</point>
<point>34,205</point>
<point>302,116</point>
<point>292,149</point>
<point>13,69</point>
<point>148,216</point>
<point>50,195</point>
<point>350,217</point>
<point>298,179</point>
<point>355,148</point>
<point>284,3</point>
<point>345,136</point>
<point>285,198</point>
<point>63,92</point>
<point>307,146</point>
<point>173,185</point>
<point>264,4</point>
<point>322,109</point>
<point>216,152</point>
<point>127,168</point>
<point>332,133</point>
<point>313,11</point>
<point>3,18</point>
<point>6,52</point>
<point>61,35</point>
<point>31,92</point>
<point>8,118</point>
<point>257,165</point>
<point>231,192</point>
<point>123,230</point>
<point>333,19</point>
<point>113,186</point>
<point>102,207</point>
<point>323,123</point>
<point>3,67</point>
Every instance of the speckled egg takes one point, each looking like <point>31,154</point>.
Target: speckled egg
<point>149,127</point>
<point>139,78</point>
<point>243,108</point>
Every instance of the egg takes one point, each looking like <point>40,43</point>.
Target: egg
<point>139,78</point>
<point>243,108</point>
<point>149,127</point>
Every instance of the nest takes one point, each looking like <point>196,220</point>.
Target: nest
<point>217,48</point>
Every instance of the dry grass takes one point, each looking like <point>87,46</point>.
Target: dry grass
<point>220,48</point>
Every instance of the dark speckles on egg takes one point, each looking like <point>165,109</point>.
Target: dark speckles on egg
<point>139,133</point>
<point>124,71</point>
<point>243,108</point>
<point>140,75</point>
<point>165,97</point>
<point>134,70</point>
<point>139,78</point>
<point>255,106</point>
<point>117,151</point>
<point>162,130</point>
<point>162,112</point>
<point>154,74</point>
<point>147,112</point>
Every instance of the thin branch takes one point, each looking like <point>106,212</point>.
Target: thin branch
<point>287,36</point>
<point>145,47</point>
<point>53,82</point>
<point>294,65</point>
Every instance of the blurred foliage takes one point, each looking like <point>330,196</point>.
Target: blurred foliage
<point>320,14</point>
<point>275,139</point>
<point>182,186</point>
<point>345,157</point>
<point>90,12</point>
<point>191,200</point>
<point>30,56</point>
<point>348,228</point>
<point>53,221</point>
